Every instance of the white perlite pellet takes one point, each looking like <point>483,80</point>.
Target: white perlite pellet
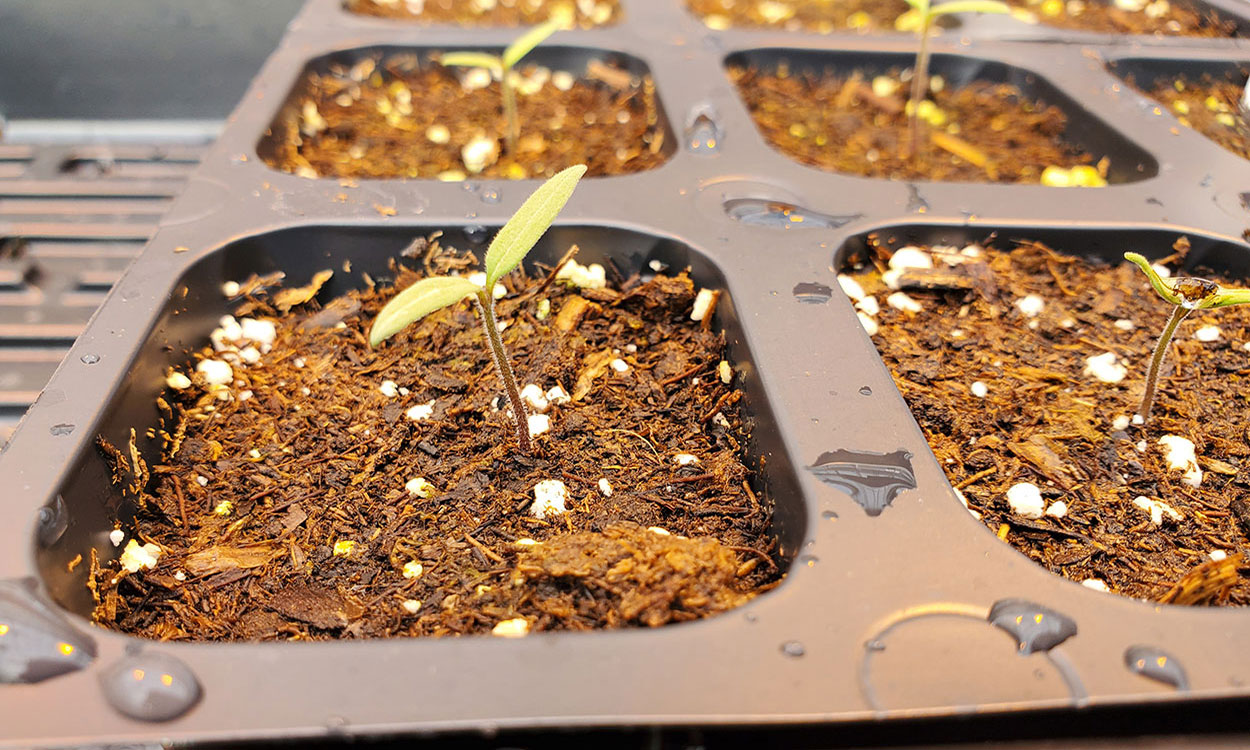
<point>411,606</point>
<point>413,569</point>
<point>979,389</point>
<point>1156,509</point>
<point>215,372</point>
<point>868,305</point>
<point>593,276</point>
<point>1030,306</point>
<point>549,498</point>
<point>685,459</point>
<point>1207,333</point>
<point>851,287</point>
<point>1105,368</point>
<point>702,301</point>
<point>135,558</point>
<point>479,153</point>
<point>605,487</point>
<point>1217,554</point>
<point>557,395</point>
<point>538,424</point>
<point>1125,325</point>
<point>910,257</point>
<point>870,325</point>
<point>419,487</point>
<point>1182,457</point>
<point>117,536</point>
<point>619,365</point>
<point>479,278</point>
<point>1057,509</point>
<point>900,301</point>
<point>1025,500</point>
<point>517,627</point>
<point>389,389</point>
<point>421,411</point>
<point>1095,584</point>
<point>533,395</point>
<point>1120,423</point>
<point>725,372</point>
<point>178,381</point>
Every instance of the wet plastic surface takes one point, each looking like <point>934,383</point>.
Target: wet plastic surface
<point>883,618</point>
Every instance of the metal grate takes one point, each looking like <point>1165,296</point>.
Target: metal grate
<point>72,218</point>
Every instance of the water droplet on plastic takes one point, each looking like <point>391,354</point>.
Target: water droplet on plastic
<point>781,215</point>
<point>53,520</point>
<point>89,359</point>
<point>809,560</point>
<point>865,390</point>
<point>914,201</point>
<point>1035,628</point>
<point>703,135</point>
<point>150,686</point>
<point>1152,662</point>
<point>875,645</point>
<point>1206,181</point>
<point>872,480</point>
<point>829,515</point>
<point>336,726</point>
<point>476,233</point>
<point>793,648</point>
<point>1154,201</point>
<point>61,428</point>
<point>129,294</point>
<point>489,196</point>
<point>812,293</point>
<point>751,617</point>
<point>470,187</point>
<point>35,643</point>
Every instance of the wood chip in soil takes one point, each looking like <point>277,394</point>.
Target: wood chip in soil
<point>281,501</point>
<point>856,125</point>
<point>800,15</point>
<point>1209,105</point>
<point>1047,421</point>
<point>492,12</point>
<point>406,117</point>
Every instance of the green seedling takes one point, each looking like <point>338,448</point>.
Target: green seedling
<point>501,65</point>
<point>1186,294</point>
<point>506,251</point>
<point>922,15</point>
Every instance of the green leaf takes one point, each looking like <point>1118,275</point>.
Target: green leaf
<point>527,42</point>
<point>529,223</point>
<point>919,5</point>
<point>471,60</point>
<point>969,6</point>
<point>1162,289</point>
<point>416,302</point>
<point>1225,297</point>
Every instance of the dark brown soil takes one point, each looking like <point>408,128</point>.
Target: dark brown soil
<point>820,16</point>
<point>826,16</point>
<point>375,120</point>
<point>840,124</point>
<point>1156,18</point>
<point>1045,421</point>
<point>490,12</point>
<point>1211,106</point>
<point>286,515</point>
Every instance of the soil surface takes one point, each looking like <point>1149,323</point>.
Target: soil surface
<point>284,505</point>
<point>1211,106</point>
<point>1154,17</point>
<point>404,118</point>
<point>1045,419</point>
<point>491,12</point>
<point>857,125</point>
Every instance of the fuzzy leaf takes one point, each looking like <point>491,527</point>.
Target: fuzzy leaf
<point>1161,288</point>
<point>1225,297</point>
<point>527,42</point>
<point>416,302</point>
<point>471,60</point>
<point>968,6</point>
<point>529,223</point>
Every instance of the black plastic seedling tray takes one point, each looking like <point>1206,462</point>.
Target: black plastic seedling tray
<point>897,604</point>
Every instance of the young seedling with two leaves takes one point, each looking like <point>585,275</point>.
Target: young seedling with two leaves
<point>501,65</point>
<point>1186,294</point>
<point>506,251</point>
<point>921,17</point>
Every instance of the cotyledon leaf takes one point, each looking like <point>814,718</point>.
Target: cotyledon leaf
<point>529,223</point>
<point>471,60</point>
<point>527,42</point>
<point>968,6</point>
<point>417,301</point>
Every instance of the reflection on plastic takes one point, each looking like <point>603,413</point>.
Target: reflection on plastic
<point>150,686</point>
<point>781,215</point>
<point>872,479</point>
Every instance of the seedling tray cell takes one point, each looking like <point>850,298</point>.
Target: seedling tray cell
<point>897,603</point>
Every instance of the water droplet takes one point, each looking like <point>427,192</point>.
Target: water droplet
<point>703,135</point>
<point>829,515</point>
<point>875,645</point>
<point>489,196</point>
<point>778,214</point>
<point>812,293</point>
<point>809,560</point>
<point>1035,628</point>
<point>793,648</point>
<point>1154,201</point>
<point>871,479</point>
<point>914,201</point>
<point>53,520</point>
<point>150,686</point>
<point>751,617</point>
<point>1152,662</point>
<point>61,428</point>
<point>476,233</point>
<point>1206,181</point>
<point>336,726</point>
<point>35,643</point>
<point>89,359</point>
<point>470,187</point>
<point>865,390</point>
<point>129,294</point>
